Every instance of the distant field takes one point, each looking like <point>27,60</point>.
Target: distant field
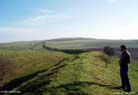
<point>78,44</point>
<point>69,43</point>
<point>91,43</point>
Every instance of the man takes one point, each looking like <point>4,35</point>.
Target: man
<point>124,61</point>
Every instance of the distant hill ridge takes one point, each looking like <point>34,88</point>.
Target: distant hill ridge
<point>69,43</point>
<point>70,39</point>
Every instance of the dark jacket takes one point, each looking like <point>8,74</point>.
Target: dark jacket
<point>125,58</point>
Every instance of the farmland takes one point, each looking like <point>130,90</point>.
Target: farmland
<point>68,43</point>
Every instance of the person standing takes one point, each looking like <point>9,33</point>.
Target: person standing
<point>125,59</point>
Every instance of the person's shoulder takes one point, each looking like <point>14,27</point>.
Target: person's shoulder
<point>127,52</point>
<point>124,52</point>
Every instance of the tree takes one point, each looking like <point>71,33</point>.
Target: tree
<point>109,51</point>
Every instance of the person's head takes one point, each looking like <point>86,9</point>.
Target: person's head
<point>123,48</point>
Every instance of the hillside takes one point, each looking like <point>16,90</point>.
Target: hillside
<point>56,73</point>
<point>68,43</point>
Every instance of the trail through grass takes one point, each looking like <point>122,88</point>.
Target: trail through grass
<point>83,74</point>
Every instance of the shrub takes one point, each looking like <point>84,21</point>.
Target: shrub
<point>109,51</point>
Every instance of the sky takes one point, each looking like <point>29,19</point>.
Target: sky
<point>24,20</point>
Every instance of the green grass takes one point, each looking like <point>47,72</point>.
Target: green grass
<point>28,62</point>
<point>56,73</point>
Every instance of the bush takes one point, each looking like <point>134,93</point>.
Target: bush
<point>109,51</point>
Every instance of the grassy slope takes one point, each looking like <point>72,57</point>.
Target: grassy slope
<point>83,74</point>
<point>29,62</point>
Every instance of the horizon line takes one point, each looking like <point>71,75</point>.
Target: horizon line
<point>65,38</point>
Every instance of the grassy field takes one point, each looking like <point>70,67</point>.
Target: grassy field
<point>91,43</point>
<point>28,62</point>
<point>69,43</point>
<point>42,72</point>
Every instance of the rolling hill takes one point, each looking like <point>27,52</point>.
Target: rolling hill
<point>69,43</point>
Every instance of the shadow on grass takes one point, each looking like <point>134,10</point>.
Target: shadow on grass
<point>74,88</point>
<point>14,83</point>
<point>18,81</point>
<point>35,87</point>
<point>69,86</point>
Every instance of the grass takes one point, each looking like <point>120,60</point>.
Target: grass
<point>56,73</point>
<point>76,43</point>
<point>28,62</point>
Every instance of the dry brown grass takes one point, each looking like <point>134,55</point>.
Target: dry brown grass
<point>7,68</point>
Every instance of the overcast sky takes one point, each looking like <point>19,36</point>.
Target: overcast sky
<point>22,20</point>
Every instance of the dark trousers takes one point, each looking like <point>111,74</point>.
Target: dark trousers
<point>124,77</point>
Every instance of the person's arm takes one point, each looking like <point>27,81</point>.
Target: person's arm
<point>127,58</point>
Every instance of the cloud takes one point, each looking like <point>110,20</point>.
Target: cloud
<point>46,11</point>
<point>118,31</point>
<point>44,25</point>
<point>22,34</point>
<point>35,33</point>
<point>46,16</point>
<point>16,29</point>
<point>45,19</point>
<point>112,1</point>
